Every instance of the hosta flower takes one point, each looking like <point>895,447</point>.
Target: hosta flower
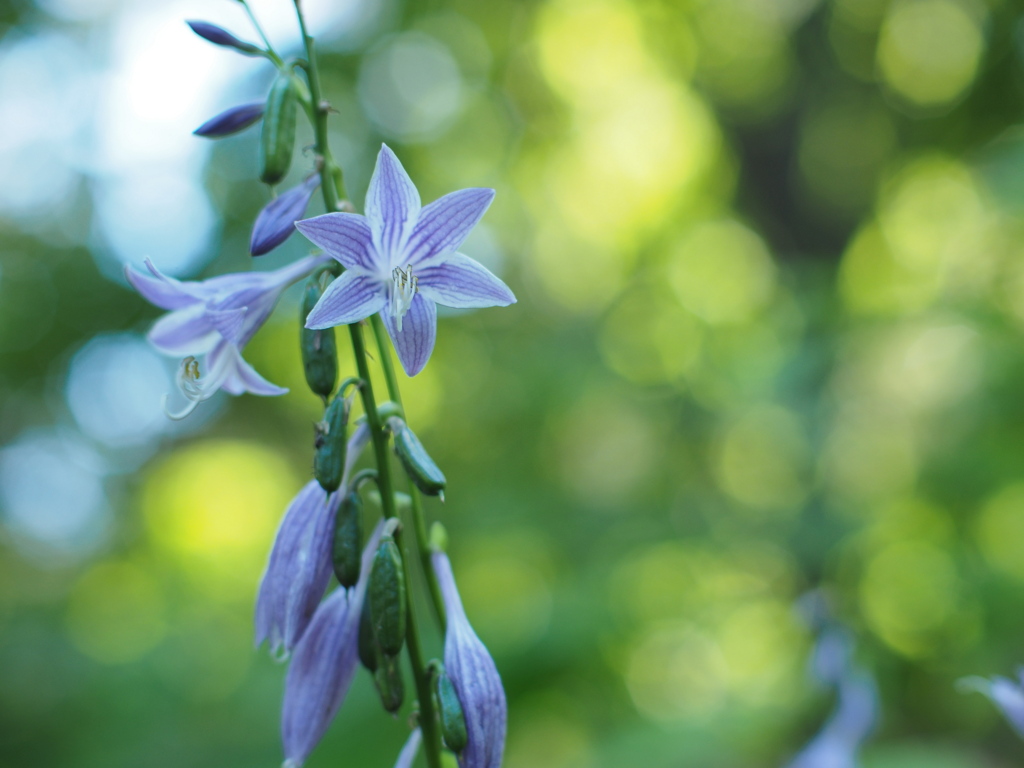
<point>410,750</point>
<point>323,665</point>
<point>475,677</point>
<point>276,222</point>
<point>299,567</point>
<point>215,319</point>
<point>401,259</point>
<point>1007,695</point>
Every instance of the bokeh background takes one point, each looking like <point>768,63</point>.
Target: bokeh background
<point>769,262</point>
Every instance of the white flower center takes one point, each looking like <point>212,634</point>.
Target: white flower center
<point>193,386</point>
<point>403,288</point>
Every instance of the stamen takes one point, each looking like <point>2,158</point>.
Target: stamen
<point>192,386</point>
<point>403,290</point>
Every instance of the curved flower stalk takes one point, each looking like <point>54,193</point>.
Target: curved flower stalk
<point>299,567</point>
<point>215,318</point>
<point>401,260</point>
<point>323,665</point>
<point>1006,694</point>
<point>840,740</point>
<point>475,677</point>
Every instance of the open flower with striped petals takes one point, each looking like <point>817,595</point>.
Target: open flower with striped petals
<point>401,259</point>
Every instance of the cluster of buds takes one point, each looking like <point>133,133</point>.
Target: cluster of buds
<point>398,261</point>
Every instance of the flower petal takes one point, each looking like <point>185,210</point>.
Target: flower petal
<point>345,236</point>
<point>351,297</point>
<point>276,222</point>
<point>459,281</point>
<point>410,750</point>
<point>392,207</point>
<point>445,223</point>
<point>323,666</point>
<point>239,376</point>
<point>184,332</point>
<point>415,341</point>
<point>475,677</point>
<point>162,291</point>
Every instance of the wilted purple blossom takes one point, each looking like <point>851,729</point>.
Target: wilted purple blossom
<point>323,665</point>
<point>276,222</point>
<point>410,750</point>
<point>231,120</point>
<point>401,260</point>
<point>220,36</point>
<point>215,319</point>
<point>1007,695</point>
<point>299,567</point>
<point>475,677</point>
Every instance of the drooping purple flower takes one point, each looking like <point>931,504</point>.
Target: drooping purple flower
<point>231,120</point>
<point>276,222</point>
<point>215,318</point>
<point>1007,695</point>
<point>410,750</point>
<point>475,677</point>
<point>220,36</point>
<point>299,567</point>
<point>323,665</point>
<point>401,260</point>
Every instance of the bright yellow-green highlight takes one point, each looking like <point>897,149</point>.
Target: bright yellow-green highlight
<point>213,507</point>
<point>929,50</point>
<point>1000,530</point>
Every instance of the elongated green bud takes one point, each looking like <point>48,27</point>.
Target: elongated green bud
<point>422,470</point>
<point>319,350</point>
<point>390,685</point>
<point>348,539</point>
<point>387,597</point>
<point>369,653</point>
<point>329,461</point>
<point>278,136</point>
<point>453,722</point>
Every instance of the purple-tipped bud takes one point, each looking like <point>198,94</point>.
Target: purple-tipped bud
<point>475,677</point>
<point>231,121</point>
<point>220,36</point>
<point>276,221</point>
<point>300,566</point>
<point>410,750</point>
<point>323,666</point>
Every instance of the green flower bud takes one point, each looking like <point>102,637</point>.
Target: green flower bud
<point>369,653</point>
<point>390,685</point>
<point>348,539</point>
<point>319,351</point>
<point>278,137</point>
<point>421,469</point>
<point>453,723</point>
<point>329,461</point>
<point>387,597</point>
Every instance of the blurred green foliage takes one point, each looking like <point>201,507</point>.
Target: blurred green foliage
<point>768,338</point>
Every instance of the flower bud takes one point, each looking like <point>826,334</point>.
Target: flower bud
<point>369,653</point>
<point>319,349</point>
<point>348,539</point>
<point>278,137</point>
<point>453,722</point>
<point>220,36</point>
<point>390,685</point>
<point>329,461</point>
<point>387,598</point>
<point>276,222</point>
<point>231,121</point>
<point>420,468</point>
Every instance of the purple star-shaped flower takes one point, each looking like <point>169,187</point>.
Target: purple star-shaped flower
<point>401,260</point>
<point>216,318</point>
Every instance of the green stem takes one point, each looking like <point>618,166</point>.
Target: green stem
<point>271,53</point>
<point>329,175</point>
<point>419,519</point>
